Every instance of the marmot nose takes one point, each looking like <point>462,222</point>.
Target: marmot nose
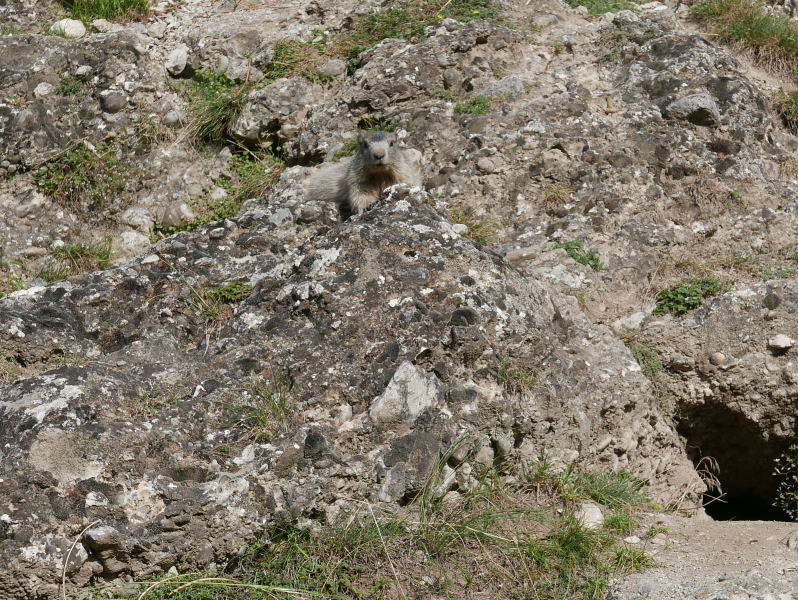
<point>378,153</point>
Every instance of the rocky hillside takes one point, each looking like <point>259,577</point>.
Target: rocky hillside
<point>598,272</point>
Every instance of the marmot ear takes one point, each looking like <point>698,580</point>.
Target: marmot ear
<point>361,139</point>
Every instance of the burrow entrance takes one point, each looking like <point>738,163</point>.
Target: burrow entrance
<point>745,461</point>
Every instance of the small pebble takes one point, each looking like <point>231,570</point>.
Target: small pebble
<point>486,165</point>
<point>780,342</point>
<point>717,358</point>
<point>632,539</point>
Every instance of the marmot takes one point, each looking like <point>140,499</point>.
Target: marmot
<point>357,182</point>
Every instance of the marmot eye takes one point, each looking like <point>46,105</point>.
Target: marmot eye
<point>391,144</point>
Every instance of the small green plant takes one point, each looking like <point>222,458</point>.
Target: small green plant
<point>83,177</point>
<point>778,272</point>
<point>232,292</point>
<point>209,211</point>
<point>349,148</point>
<point>786,470</point>
<point>482,231</point>
<point>447,95</point>
<point>54,271</point>
<point>215,103</point>
<point>212,301</point>
<point>405,20</point>
<point>787,108</point>
<point>149,132</point>
<point>88,10</point>
<point>255,173</point>
<point>609,57</point>
<point>84,256</point>
<point>516,378</point>
<point>576,250</point>
<point>69,85</point>
<point>599,7</point>
<point>654,531</point>
<point>478,105</point>
<point>13,283</point>
<point>649,359</point>
<point>688,295</point>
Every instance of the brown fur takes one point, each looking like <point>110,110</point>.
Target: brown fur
<point>357,182</point>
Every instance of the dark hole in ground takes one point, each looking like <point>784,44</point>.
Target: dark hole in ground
<point>745,460</point>
<point>742,507</point>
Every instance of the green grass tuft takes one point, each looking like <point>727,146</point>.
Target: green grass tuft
<point>515,377</point>
<point>88,10</point>
<point>748,24</point>
<point>407,20</point>
<point>212,301</point>
<point>787,107</point>
<point>253,174</point>
<point>73,258</point>
<point>215,103</point>
<point>267,407</point>
<point>615,490</point>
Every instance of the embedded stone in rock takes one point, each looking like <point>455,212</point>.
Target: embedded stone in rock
<point>699,109</point>
<point>780,343</point>
<point>177,214</point>
<point>717,358</point>
<point>176,61</point>
<point>43,89</point>
<point>409,393</point>
<point>486,165</point>
<point>332,68</point>
<point>69,28</point>
<point>113,102</point>
<point>173,118</point>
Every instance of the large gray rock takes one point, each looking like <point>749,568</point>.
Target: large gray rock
<point>386,335</point>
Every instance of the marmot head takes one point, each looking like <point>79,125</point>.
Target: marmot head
<point>376,147</point>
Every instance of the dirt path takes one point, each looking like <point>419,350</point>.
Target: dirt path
<point>716,560</point>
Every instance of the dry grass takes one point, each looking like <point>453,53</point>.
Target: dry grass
<point>772,40</point>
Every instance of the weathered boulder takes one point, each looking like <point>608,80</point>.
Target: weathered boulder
<point>390,337</point>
